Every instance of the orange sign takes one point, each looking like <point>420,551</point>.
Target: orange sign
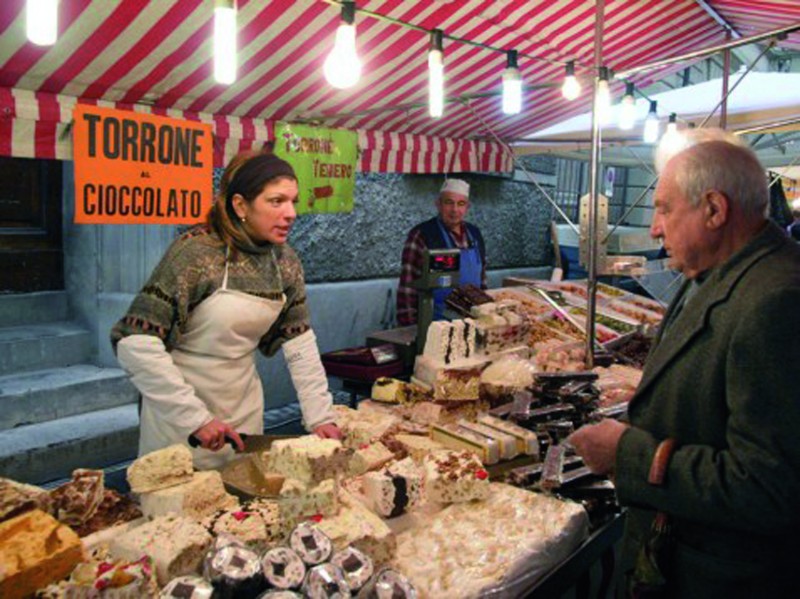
<point>134,168</point>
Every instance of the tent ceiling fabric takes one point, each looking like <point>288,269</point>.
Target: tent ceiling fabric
<point>159,53</point>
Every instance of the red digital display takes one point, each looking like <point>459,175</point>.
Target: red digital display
<point>448,262</point>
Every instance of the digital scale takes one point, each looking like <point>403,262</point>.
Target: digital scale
<point>440,270</point>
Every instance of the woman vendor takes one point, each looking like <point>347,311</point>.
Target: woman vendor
<point>222,291</point>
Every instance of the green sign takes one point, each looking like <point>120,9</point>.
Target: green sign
<point>325,163</point>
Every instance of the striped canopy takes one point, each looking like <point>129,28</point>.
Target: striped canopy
<point>156,56</point>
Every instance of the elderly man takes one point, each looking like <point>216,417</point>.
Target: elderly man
<point>447,230</point>
<point>711,452</point>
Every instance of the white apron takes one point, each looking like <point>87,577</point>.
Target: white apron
<point>216,355</point>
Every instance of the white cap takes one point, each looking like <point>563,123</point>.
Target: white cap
<point>456,186</point>
<point>796,204</point>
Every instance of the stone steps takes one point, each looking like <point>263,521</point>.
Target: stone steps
<point>41,395</point>
<point>44,345</point>
<point>47,451</point>
<point>19,309</point>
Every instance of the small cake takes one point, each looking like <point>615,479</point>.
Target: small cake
<point>365,425</point>
<point>201,496</point>
<point>310,543</point>
<point>325,581</point>
<point>308,459</point>
<point>283,568</point>
<point>356,567</point>
<point>36,551</point>
<point>357,526</point>
<point>369,457</point>
<point>388,390</point>
<point>16,498</point>
<point>394,489</point>
<point>455,477</point>
<point>77,501</point>
<point>417,446</point>
<point>508,444</point>
<point>450,342</point>
<point>297,502</point>
<point>449,381</point>
<point>187,587</point>
<point>161,469</point>
<point>257,524</point>
<point>176,544</point>
<point>527,442</point>
<point>458,438</point>
<point>235,571</point>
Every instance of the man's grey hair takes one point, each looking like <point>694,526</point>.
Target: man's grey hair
<point>721,161</point>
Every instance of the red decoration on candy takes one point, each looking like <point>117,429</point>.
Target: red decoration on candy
<point>481,475</point>
<point>316,518</point>
<point>363,446</point>
<point>104,567</point>
<point>240,516</point>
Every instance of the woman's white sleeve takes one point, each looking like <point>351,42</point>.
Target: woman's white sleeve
<point>310,382</point>
<point>157,378</point>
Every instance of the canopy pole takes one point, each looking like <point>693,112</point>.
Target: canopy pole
<point>593,202</point>
<point>726,73</point>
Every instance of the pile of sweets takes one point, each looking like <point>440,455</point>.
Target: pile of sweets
<point>471,549</point>
<point>309,564</point>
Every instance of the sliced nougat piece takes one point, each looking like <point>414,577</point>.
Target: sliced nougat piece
<point>308,459</point>
<point>393,489</point>
<point>298,501</point>
<point>177,545</point>
<point>161,469</point>
<point>357,526</point>
<point>369,457</point>
<point>455,477</point>
<point>417,446</point>
<point>202,495</point>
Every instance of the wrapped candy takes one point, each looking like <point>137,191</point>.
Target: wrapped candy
<point>355,565</point>
<point>283,568</point>
<point>310,543</point>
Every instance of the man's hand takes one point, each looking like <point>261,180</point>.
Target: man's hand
<point>597,444</point>
<point>212,435</point>
<point>328,431</point>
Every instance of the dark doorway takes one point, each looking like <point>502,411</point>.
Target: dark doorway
<point>31,253</point>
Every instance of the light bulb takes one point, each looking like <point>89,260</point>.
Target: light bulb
<point>651,125</point>
<point>672,125</point>
<point>225,43</point>
<point>603,100</point>
<point>571,88</point>
<point>342,67</point>
<point>627,109</point>
<point>435,83</point>
<point>512,85</point>
<point>41,19</point>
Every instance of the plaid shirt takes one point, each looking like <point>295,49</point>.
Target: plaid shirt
<point>411,269</point>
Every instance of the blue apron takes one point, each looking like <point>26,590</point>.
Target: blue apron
<point>469,272</point>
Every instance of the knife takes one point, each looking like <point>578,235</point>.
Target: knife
<point>252,443</point>
<point>195,442</point>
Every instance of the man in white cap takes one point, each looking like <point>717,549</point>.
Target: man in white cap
<point>447,230</point>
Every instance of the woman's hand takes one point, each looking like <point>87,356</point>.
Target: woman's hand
<point>328,431</point>
<point>212,436</point>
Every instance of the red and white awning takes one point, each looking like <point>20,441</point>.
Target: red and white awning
<point>157,56</point>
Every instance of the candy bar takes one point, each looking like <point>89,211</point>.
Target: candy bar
<point>201,496</point>
<point>308,459</point>
<point>507,443</point>
<point>458,438</point>
<point>357,526</point>
<point>257,524</point>
<point>417,446</point>
<point>527,443</point>
<point>369,457</point>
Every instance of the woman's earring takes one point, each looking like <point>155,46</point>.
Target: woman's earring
<point>244,218</point>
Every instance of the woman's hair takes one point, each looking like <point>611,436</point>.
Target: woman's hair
<point>246,174</point>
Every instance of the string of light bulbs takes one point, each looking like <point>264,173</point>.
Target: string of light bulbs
<point>342,67</point>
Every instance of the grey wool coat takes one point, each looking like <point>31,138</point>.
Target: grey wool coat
<point>724,382</point>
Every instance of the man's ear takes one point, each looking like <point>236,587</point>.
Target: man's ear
<point>716,207</point>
